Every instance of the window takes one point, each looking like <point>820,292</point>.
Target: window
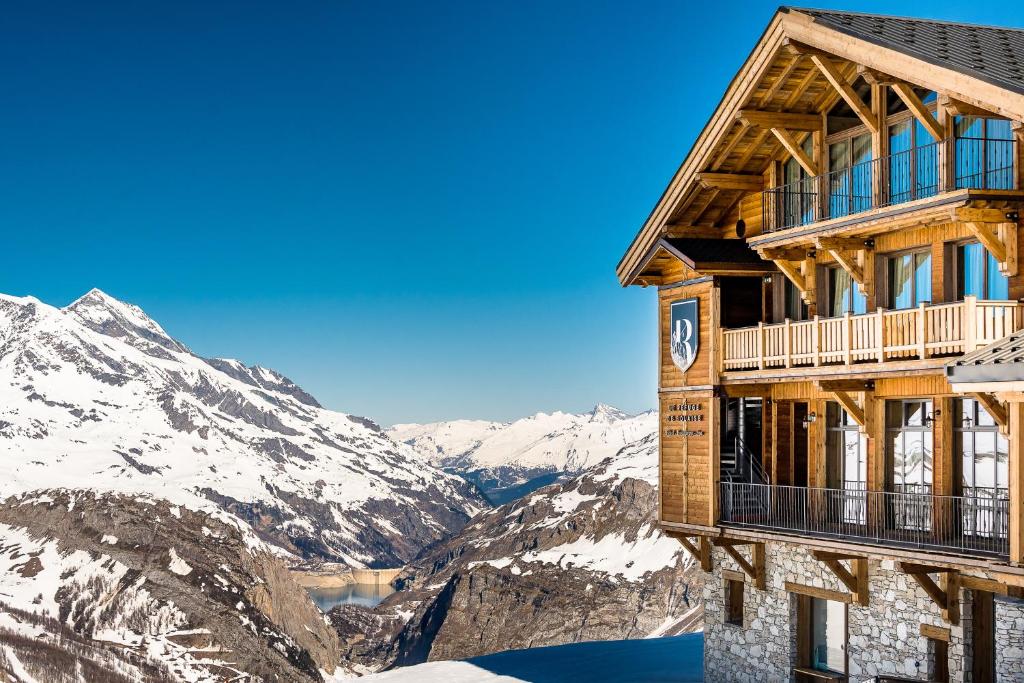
<point>938,660</point>
<point>795,308</point>
<point>849,177</point>
<point>799,195</point>
<point>985,451</point>
<point>913,162</point>
<point>843,294</point>
<point>846,466</point>
<point>910,279</point>
<point>908,427</point>
<point>978,274</point>
<point>984,153</point>
<point>828,635</point>
<point>734,602</point>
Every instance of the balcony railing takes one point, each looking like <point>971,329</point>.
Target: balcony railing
<point>975,523</point>
<point>922,332</point>
<point>916,173</point>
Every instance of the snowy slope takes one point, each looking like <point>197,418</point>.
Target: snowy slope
<point>583,559</point>
<point>97,395</point>
<point>498,455</point>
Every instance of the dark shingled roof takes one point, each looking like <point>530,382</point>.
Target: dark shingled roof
<point>989,53</point>
<point>710,250</point>
<point>1001,361</point>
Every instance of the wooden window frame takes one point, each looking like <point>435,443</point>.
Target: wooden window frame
<point>887,286</point>
<point>734,601</point>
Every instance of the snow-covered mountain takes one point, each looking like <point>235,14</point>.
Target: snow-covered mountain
<point>98,396</point>
<point>509,459</point>
<point>580,560</point>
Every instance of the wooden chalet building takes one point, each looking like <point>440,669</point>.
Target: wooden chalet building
<point>842,415</point>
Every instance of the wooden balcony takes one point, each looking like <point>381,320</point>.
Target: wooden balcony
<point>908,176</point>
<point>936,330</point>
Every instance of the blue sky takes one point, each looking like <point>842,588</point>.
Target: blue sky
<point>412,209</point>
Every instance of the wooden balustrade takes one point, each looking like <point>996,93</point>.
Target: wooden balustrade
<point>913,333</point>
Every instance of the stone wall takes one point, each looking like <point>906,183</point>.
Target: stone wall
<point>1009,639</point>
<point>884,638</point>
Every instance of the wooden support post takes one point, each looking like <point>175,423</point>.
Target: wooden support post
<point>996,409</point>
<point>855,579</point>
<point>1016,413</point>
<point>946,597</point>
<point>701,551</point>
<point>919,110</point>
<point>755,570</point>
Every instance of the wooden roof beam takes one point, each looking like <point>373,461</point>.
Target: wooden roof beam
<point>728,149</point>
<point>732,181</point>
<point>996,409</point>
<point>796,151</point>
<point>919,110</point>
<point>755,569</point>
<point>947,598</point>
<point>958,108</point>
<point>781,119</point>
<point>845,384</point>
<point>701,550</point>
<point>856,581</point>
<point>832,75</point>
<point>781,81</point>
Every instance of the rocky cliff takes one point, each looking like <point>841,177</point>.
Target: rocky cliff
<point>580,560</point>
<point>139,589</point>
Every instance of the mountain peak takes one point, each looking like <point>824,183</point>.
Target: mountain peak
<point>102,313</point>
<point>603,410</point>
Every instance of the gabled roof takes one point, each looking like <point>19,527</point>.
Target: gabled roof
<point>1001,361</point>
<point>991,53</point>
<point>977,65</point>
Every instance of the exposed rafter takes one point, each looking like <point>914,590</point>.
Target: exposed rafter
<point>831,73</point>
<point>919,110</point>
<point>727,150</point>
<point>732,181</point>
<point>777,119</point>
<point>996,409</point>
<point>856,581</point>
<point>947,597</point>
<point>781,81</point>
<point>755,567</point>
<point>959,108</point>
<point>795,150</point>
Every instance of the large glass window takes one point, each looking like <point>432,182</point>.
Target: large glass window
<point>799,196</point>
<point>828,635</point>
<point>908,427</point>
<point>795,308</point>
<point>984,153</point>
<point>913,162</point>
<point>909,439</point>
<point>910,279</point>
<point>978,274</point>
<point>843,294</point>
<point>986,460</point>
<point>985,470</point>
<point>846,466</point>
<point>849,184</point>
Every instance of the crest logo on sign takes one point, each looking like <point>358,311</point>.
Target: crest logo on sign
<point>685,333</point>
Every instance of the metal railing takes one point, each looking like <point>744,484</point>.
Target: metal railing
<point>916,173</point>
<point>976,523</point>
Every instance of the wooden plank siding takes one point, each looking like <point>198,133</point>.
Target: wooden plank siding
<point>689,463</point>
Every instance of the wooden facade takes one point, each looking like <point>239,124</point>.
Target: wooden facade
<point>771,342</point>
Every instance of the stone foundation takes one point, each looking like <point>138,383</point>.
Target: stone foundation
<point>884,638</point>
